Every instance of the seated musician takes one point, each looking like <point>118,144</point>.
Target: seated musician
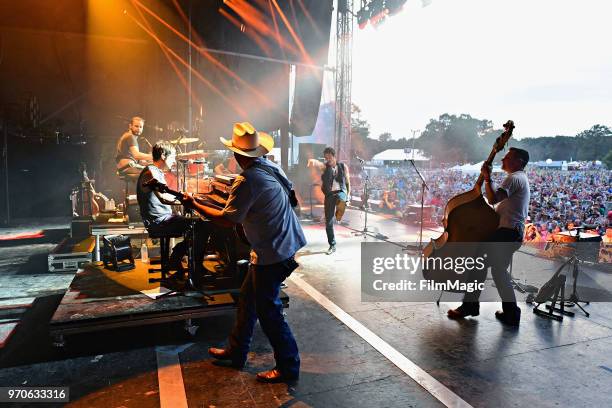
<point>157,214</point>
<point>511,202</point>
<point>128,153</point>
<point>261,204</point>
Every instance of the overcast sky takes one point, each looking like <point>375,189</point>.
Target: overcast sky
<point>546,64</point>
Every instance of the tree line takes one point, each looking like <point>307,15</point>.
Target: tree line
<point>453,139</point>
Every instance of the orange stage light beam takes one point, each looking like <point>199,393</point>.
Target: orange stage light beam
<point>178,73</point>
<point>255,19</point>
<point>212,59</point>
<point>276,30</point>
<point>187,23</point>
<point>309,17</point>
<point>292,32</point>
<point>251,34</point>
<point>194,32</point>
<point>193,71</point>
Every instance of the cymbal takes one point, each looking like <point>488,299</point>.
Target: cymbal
<point>185,140</point>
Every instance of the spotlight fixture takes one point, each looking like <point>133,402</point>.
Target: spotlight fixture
<point>376,11</point>
<point>363,16</point>
<point>394,6</point>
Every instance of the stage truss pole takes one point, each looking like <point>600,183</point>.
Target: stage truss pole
<point>343,78</point>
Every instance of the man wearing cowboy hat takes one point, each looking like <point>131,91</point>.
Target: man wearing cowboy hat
<point>259,201</point>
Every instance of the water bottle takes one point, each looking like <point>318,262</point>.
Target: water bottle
<point>144,253</point>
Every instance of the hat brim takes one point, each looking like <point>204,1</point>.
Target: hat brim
<point>266,144</point>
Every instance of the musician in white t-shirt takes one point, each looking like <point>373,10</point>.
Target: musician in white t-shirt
<point>511,201</point>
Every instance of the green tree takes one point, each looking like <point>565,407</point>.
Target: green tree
<point>452,139</point>
<point>384,137</point>
<point>361,144</point>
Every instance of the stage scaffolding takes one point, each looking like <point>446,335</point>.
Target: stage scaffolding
<point>343,78</point>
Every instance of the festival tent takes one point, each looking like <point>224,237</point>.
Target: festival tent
<point>396,156</point>
<point>473,168</point>
<point>551,164</point>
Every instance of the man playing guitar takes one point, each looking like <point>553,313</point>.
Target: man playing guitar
<point>128,154</point>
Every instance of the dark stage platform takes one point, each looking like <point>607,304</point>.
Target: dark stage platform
<point>100,299</point>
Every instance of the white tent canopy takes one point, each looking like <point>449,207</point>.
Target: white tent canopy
<point>474,168</point>
<point>400,155</point>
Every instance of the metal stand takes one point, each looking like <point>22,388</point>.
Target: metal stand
<point>558,281</point>
<point>311,215</point>
<point>558,296</point>
<point>366,186</point>
<point>423,187</point>
<point>574,299</point>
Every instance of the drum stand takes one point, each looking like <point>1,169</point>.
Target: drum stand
<point>574,299</point>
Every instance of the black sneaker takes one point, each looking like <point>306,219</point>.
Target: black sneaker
<point>511,319</point>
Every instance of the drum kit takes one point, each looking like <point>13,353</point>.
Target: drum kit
<point>190,163</point>
<point>575,242</point>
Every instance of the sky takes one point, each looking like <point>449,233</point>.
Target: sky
<point>546,64</point>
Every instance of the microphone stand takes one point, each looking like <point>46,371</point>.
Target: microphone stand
<point>366,185</point>
<point>423,187</point>
<point>364,232</point>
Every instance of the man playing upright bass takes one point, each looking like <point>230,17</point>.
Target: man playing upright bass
<point>511,202</point>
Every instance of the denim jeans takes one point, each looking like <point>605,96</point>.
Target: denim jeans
<point>329,204</point>
<point>500,248</point>
<point>259,300</point>
<point>176,225</point>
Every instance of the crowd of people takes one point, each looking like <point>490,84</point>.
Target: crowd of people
<point>560,200</point>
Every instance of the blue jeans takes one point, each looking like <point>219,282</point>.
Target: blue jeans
<point>259,300</point>
<point>329,205</point>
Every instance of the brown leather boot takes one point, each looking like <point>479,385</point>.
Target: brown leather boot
<point>275,376</point>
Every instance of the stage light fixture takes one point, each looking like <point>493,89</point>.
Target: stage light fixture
<point>394,6</point>
<point>377,12</point>
<point>363,16</point>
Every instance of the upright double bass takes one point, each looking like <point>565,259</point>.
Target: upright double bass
<point>467,217</point>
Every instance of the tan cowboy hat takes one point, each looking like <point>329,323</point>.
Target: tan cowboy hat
<point>247,141</point>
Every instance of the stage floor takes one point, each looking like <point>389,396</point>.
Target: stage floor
<point>354,354</point>
<point>100,299</point>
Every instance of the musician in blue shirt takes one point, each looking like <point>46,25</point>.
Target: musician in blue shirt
<point>259,200</point>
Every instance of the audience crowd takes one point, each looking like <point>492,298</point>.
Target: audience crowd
<point>560,200</point>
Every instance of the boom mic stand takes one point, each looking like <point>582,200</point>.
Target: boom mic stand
<point>365,232</point>
<point>423,187</point>
<point>366,186</point>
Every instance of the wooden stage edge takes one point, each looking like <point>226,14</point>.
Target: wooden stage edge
<point>101,299</point>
